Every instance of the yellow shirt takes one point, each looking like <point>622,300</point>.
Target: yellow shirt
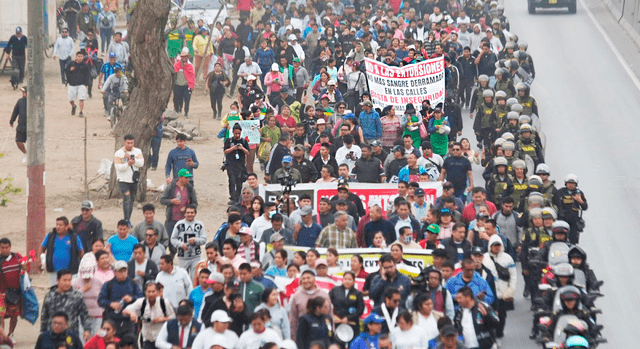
<point>199,42</point>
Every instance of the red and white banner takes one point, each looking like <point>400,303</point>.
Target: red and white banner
<point>412,83</point>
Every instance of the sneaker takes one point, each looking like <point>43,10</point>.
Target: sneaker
<point>526,293</point>
<point>90,95</point>
<point>186,115</point>
<point>24,158</point>
<point>73,110</point>
<point>81,115</point>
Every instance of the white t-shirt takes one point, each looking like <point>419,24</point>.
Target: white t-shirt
<point>415,338</point>
<point>252,340</point>
<point>468,330</point>
<point>429,325</point>
<point>140,267</point>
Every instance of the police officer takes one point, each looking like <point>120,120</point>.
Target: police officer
<point>570,202</point>
<point>529,104</point>
<point>533,238</point>
<point>560,230</point>
<point>548,186</point>
<point>483,81</point>
<point>520,181</point>
<point>485,123</point>
<point>500,184</point>
<point>501,109</point>
<point>527,146</point>
<point>504,83</point>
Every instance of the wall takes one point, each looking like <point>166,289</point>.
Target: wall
<point>629,18</point>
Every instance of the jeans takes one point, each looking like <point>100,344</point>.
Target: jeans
<point>464,93</point>
<point>168,226</point>
<point>128,191</point>
<point>18,62</point>
<point>105,37</point>
<point>181,94</point>
<point>235,185</point>
<point>63,64</point>
<point>155,151</point>
<point>216,102</point>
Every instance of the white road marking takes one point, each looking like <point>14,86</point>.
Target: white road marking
<point>612,46</point>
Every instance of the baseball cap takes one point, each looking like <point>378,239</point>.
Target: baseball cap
<point>342,202</point>
<point>305,210</point>
<point>398,148</point>
<point>418,192</point>
<point>482,215</point>
<point>299,147</point>
<point>373,203</point>
<point>331,82</point>
<point>375,318</point>
<point>185,52</point>
<point>376,143</point>
<point>320,262</point>
<point>433,228</point>
<point>18,29</point>
<point>322,122</point>
<point>233,283</point>
<point>439,252</point>
<point>215,278</point>
<point>325,96</point>
<point>276,237</point>
<point>292,37</point>
<point>477,250</point>
<point>489,30</point>
<point>87,204</point>
<point>366,103</point>
<point>445,211</point>
<point>184,173</point>
<point>447,185</point>
<point>245,230</point>
<point>296,59</point>
<point>448,330</point>
<point>119,265</point>
<point>23,88</point>
<point>220,316</point>
<point>287,159</point>
<point>113,54</point>
<point>255,264</point>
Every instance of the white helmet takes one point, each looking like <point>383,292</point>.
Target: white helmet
<point>542,168</point>
<point>571,178</point>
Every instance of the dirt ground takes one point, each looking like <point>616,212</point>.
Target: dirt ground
<point>65,169</point>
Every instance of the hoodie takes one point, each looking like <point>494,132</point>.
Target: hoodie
<point>504,289</point>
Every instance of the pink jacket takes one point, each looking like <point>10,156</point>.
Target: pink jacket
<point>270,82</point>
<point>189,73</point>
<point>91,296</point>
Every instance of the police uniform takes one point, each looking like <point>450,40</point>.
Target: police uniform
<point>485,123</point>
<point>499,187</point>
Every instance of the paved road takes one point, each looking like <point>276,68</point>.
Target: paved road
<point>588,105</point>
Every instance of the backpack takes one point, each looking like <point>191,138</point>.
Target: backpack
<point>162,305</point>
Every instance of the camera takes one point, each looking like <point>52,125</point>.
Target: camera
<point>351,156</point>
<point>224,166</point>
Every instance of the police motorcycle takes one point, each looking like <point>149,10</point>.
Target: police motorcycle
<point>569,316</point>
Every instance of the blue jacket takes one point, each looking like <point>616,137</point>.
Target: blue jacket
<point>339,97</point>
<point>177,159</point>
<point>265,58</point>
<point>371,124</point>
<point>477,285</point>
<point>403,175</point>
<point>361,341</point>
<point>113,291</point>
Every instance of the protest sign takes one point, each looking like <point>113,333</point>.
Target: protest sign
<point>412,83</point>
<point>250,130</point>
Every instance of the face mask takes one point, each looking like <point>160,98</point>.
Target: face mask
<point>272,213</point>
<point>407,239</point>
<point>233,112</point>
<point>102,333</point>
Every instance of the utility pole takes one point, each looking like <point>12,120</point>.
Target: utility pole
<point>36,224</point>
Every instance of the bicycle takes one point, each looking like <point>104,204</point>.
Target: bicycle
<point>115,113</point>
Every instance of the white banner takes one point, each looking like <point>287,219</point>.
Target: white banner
<point>412,83</point>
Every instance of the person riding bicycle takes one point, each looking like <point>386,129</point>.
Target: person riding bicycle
<point>115,87</point>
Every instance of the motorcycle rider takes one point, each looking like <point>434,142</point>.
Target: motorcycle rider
<point>485,123</point>
<point>560,231</point>
<point>549,216</point>
<point>578,259</point>
<point>570,299</point>
<point>533,238</point>
<point>564,275</point>
<point>570,202</point>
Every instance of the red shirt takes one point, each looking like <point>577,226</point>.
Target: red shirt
<point>290,122</point>
<point>469,212</point>
<point>11,272</point>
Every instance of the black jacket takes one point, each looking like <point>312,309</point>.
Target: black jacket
<point>208,307</point>
<point>313,328</point>
<point>20,113</point>
<point>452,250</point>
<point>169,194</point>
<point>318,163</point>
<point>150,271</point>
<point>350,305</point>
<point>307,169</point>
<point>80,75</point>
<point>90,233</point>
<point>484,325</point>
<point>275,158</point>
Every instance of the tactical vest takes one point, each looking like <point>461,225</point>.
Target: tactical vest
<point>500,187</point>
<point>501,112</point>
<point>486,116</point>
<point>527,105</point>
<point>479,98</point>
<point>528,148</point>
<point>519,189</point>
<point>547,191</point>
<point>503,85</point>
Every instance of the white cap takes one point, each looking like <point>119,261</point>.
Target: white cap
<point>289,27</point>
<point>275,67</point>
<point>293,37</point>
<point>251,77</point>
<point>220,316</point>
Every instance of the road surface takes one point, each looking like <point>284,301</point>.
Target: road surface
<point>589,105</point>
